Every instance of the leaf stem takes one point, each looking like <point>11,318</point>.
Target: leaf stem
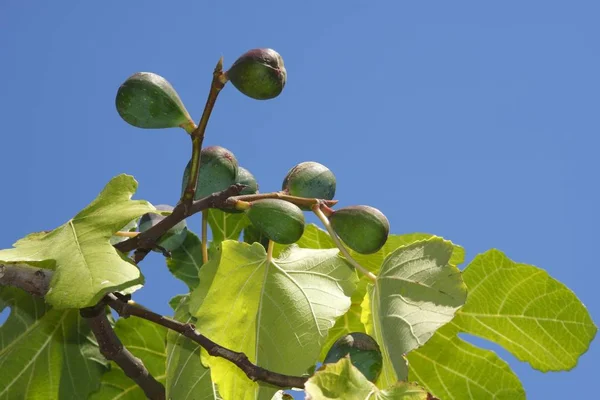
<point>204,239</point>
<point>270,247</point>
<point>126,234</point>
<point>197,135</point>
<point>317,210</point>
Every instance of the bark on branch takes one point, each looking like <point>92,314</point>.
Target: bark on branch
<point>112,348</point>
<point>252,371</point>
<point>35,281</point>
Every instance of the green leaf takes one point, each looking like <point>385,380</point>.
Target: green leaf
<point>45,351</point>
<point>417,291</point>
<point>226,225</point>
<point>87,265</point>
<point>187,378</point>
<point>344,382</point>
<point>130,227</point>
<point>518,306</point>
<point>186,260</point>
<point>146,341</point>
<point>277,312</point>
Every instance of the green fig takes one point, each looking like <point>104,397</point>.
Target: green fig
<point>148,100</point>
<point>363,228</point>
<point>279,220</point>
<point>310,179</point>
<point>244,177</point>
<point>364,353</point>
<point>253,235</point>
<point>218,171</point>
<point>258,73</point>
<point>174,236</point>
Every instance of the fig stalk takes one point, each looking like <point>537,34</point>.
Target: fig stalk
<point>325,221</point>
<point>126,234</point>
<point>204,239</point>
<point>218,82</point>
<point>270,250</point>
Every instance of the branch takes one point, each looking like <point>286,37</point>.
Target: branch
<point>146,241</point>
<point>112,348</point>
<point>254,372</point>
<point>35,281</point>
<point>218,82</point>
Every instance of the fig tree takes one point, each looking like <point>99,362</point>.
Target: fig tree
<point>363,228</point>
<point>258,73</point>
<point>310,179</point>
<point>364,353</point>
<point>279,220</point>
<point>218,171</point>
<point>174,236</point>
<point>148,100</point>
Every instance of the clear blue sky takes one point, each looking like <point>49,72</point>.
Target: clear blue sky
<point>473,120</point>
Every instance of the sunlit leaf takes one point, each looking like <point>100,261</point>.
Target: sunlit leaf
<point>277,312</point>
<point>45,352</point>
<point>518,306</point>
<point>87,265</point>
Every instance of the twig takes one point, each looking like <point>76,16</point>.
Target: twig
<point>254,372</point>
<point>299,201</point>
<point>35,281</point>
<point>111,347</point>
<point>147,239</point>
<point>218,82</point>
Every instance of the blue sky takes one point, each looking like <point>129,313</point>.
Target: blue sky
<point>471,120</point>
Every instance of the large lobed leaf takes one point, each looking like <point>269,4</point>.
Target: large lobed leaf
<point>343,381</point>
<point>518,306</point>
<point>277,312</point>
<point>45,353</point>
<point>416,292</point>
<point>86,265</point>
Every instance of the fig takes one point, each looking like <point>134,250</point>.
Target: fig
<point>310,179</point>
<point>364,353</point>
<point>174,236</point>
<point>218,171</point>
<point>253,235</point>
<point>363,228</point>
<point>244,177</point>
<point>148,100</point>
<point>278,220</point>
<point>258,73</point>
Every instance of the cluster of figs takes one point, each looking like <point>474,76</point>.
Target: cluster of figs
<point>147,100</point>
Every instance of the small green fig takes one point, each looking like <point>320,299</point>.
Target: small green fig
<point>148,100</point>
<point>310,179</point>
<point>258,73</point>
<point>253,235</point>
<point>244,177</point>
<point>218,171</point>
<point>279,220</point>
<point>174,236</point>
<point>364,353</point>
<point>363,228</point>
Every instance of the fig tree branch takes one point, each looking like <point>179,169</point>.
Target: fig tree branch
<point>218,82</point>
<point>111,347</point>
<point>254,372</point>
<point>35,281</point>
